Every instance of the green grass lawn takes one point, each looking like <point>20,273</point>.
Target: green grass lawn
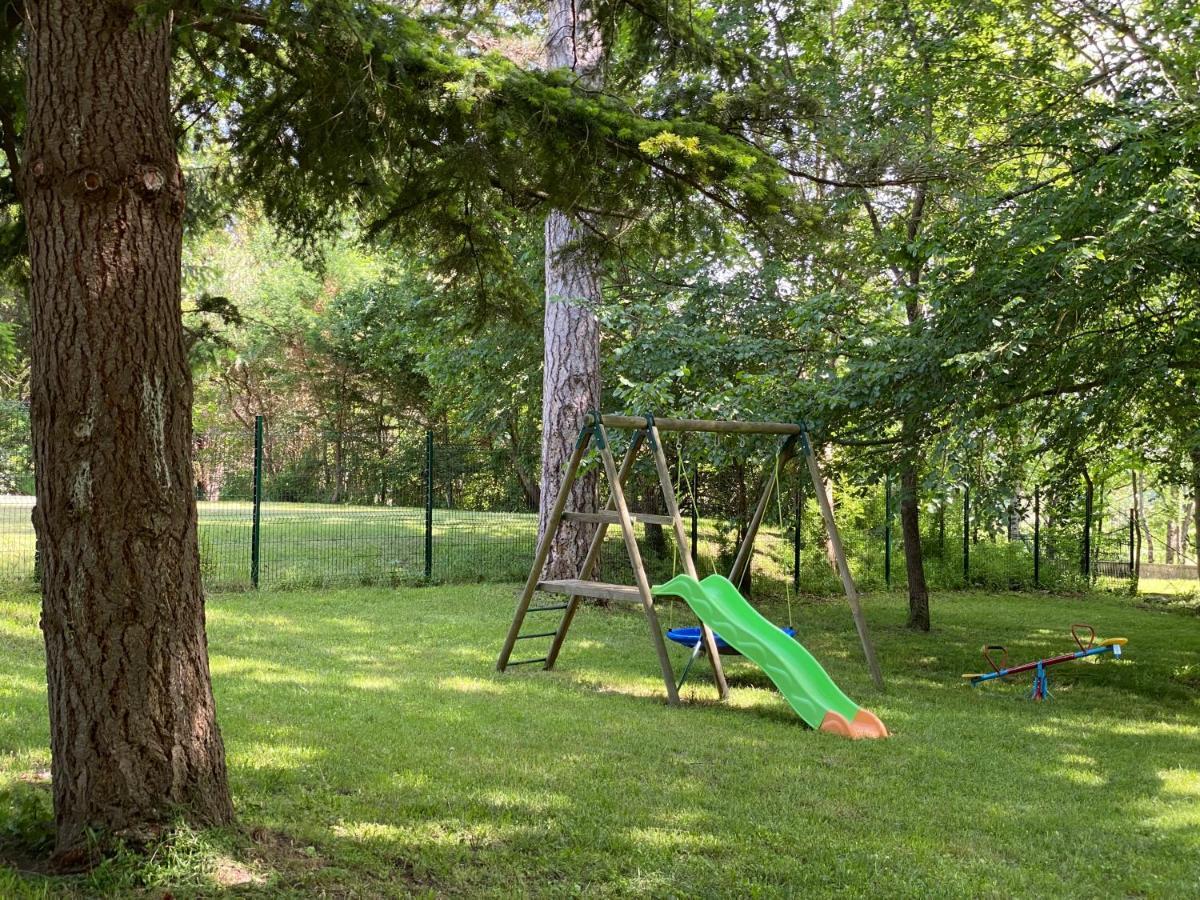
<point>373,751</point>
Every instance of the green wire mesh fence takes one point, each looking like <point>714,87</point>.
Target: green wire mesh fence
<point>292,505</point>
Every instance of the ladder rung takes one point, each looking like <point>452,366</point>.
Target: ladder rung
<point>525,662</point>
<point>573,587</point>
<point>609,516</point>
<point>525,637</point>
<point>550,608</point>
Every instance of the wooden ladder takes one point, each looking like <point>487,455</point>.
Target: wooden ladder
<point>616,512</point>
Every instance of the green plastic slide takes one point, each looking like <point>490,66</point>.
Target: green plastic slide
<point>797,674</point>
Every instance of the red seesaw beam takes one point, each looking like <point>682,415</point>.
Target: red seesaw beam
<point>1113,646</point>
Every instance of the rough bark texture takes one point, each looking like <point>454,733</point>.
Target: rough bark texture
<point>910,527</point>
<point>827,482</point>
<point>571,360</point>
<point>133,733</point>
<point>1182,532</point>
<point>1089,498</point>
<point>1143,520</point>
<point>1195,454</point>
<point>514,445</point>
<point>652,501</point>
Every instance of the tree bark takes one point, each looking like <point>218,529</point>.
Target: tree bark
<point>830,551</point>
<point>652,502</point>
<point>742,512</point>
<point>910,507</point>
<point>529,487</point>
<point>571,358</point>
<point>1089,494</point>
<point>1143,521</point>
<point>1184,524</point>
<point>914,564</point>
<point>339,468</point>
<point>133,731</point>
<point>1195,454</point>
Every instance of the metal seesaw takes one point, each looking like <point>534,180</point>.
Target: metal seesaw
<point>1041,684</point>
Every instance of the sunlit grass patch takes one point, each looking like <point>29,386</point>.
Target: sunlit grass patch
<point>375,751</point>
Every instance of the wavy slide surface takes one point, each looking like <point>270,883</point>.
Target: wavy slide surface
<point>800,678</point>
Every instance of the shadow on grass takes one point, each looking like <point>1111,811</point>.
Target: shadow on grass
<point>374,729</point>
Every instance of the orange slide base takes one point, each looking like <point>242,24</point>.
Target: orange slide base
<point>865,724</point>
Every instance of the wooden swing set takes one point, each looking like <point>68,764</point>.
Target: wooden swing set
<point>647,431</point>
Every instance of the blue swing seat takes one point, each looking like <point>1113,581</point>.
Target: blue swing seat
<point>688,637</point>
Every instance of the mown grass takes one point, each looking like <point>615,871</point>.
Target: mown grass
<point>373,751</point>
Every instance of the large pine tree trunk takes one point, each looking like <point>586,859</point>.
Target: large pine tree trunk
<point>133,733</point>
<point>571,360</point>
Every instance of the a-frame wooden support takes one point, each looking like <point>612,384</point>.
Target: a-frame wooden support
<point>786,454</point>
<point>617,513</point>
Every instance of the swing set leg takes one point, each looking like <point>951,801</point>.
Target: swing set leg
<point>696,651</point>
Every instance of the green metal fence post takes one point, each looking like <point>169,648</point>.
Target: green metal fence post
<point>428,505</point>
<point>887,530</point>
<point>966,534</point>
<point>256,526</point>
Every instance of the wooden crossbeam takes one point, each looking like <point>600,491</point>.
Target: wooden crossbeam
<point>609,517</point>
<point>708,425</point>
<point>580,587</point>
